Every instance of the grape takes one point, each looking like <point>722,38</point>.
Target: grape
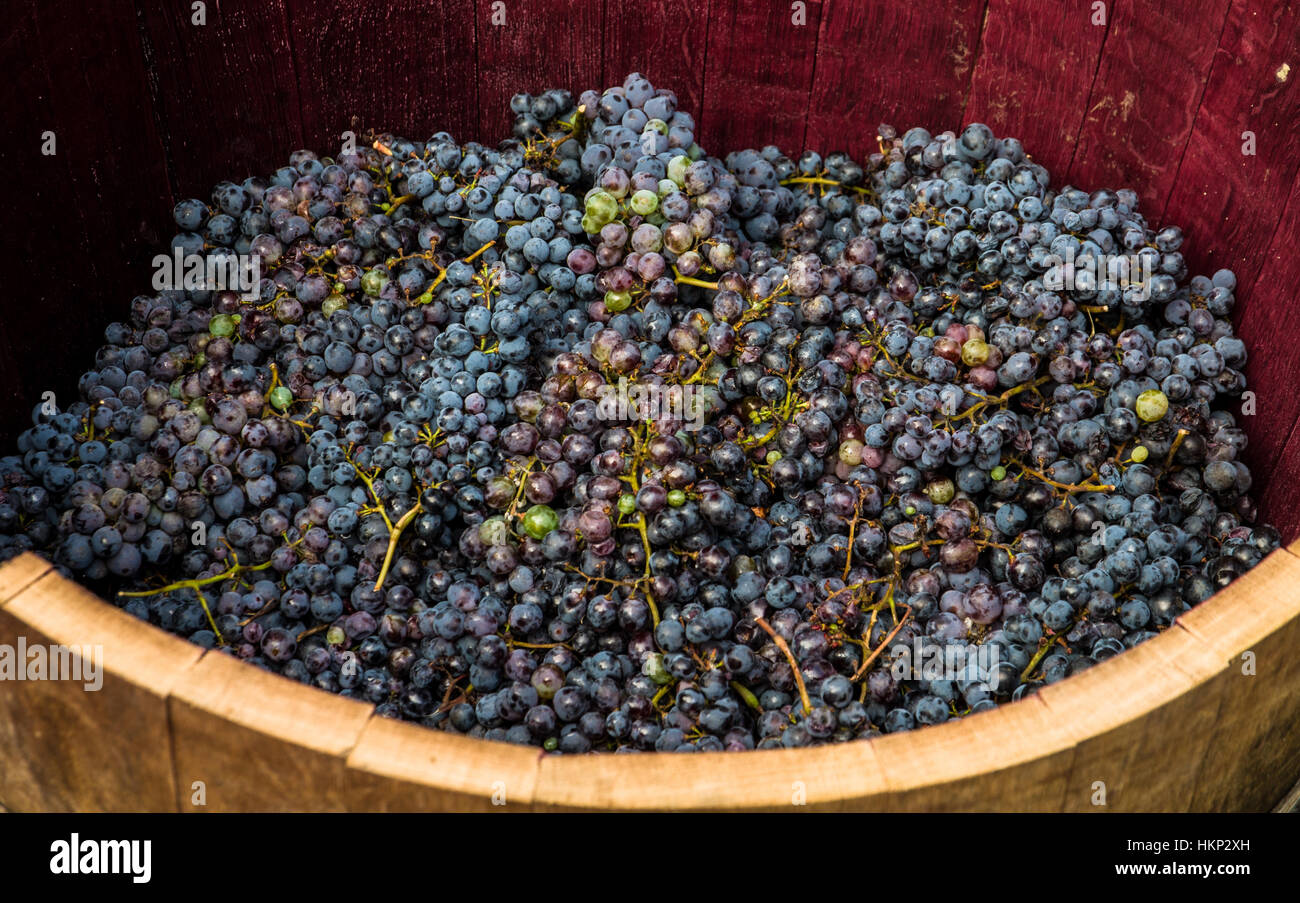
<point>590,439</point>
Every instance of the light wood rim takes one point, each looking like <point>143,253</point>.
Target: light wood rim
<point>1147,724</point>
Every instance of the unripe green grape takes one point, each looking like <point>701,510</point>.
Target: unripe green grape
<point>540,520</point>
<point>281,398</point>
<point>850,452</point>
<point>644,202</point>
<point>222,325</point>
<point>373,282</point>
<point>653,668</point>
<point>666,187</point>
<point>626,503</point>
<point>617,301</point>
<point>941,491</point>
<point>1152,405</point>
<point>493,531</point>
<point>974,352</point>
<point>602,206</point>
<point>677,169</point>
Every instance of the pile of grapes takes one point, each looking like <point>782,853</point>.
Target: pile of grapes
<point>596,442</point>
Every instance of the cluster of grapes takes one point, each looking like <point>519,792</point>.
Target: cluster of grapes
<point>889,433</point>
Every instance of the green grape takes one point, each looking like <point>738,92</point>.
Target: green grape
<point>494,531</point>
<point>540,520</point>
<point>602,207</point>
<point>677,167</point>
<point>617,301</point>
<point>1152,405</point>
<point>373,282</point>
<point>644,202</point>
<point>281,398</point>
<point>222,325</point>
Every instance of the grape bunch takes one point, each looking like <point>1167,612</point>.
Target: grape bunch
<point>594,441</point>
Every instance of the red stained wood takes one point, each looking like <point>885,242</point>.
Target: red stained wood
<point>1268,321</point>
<point>762,63</point>
<point>1144,99</point>
<point>905,64</point>
<point>1038,97</point>
<point>343,51</point>
<point>1247,90</point>
<point>541,44</point>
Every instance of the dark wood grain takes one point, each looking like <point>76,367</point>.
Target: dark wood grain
<point>906,64</point>
<point>78,237</point>
<point>26,114</point>
<point>1239,211</point>
<point>759,75</point>
<point>1038,97</point>
<point>542,44</point>
<point>225,93</point>
<point>406,67</point>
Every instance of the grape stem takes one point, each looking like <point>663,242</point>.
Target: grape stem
<point>1174,446</point>
<point>1067,487</point>
<point>870,659</point>
<point>814,180</point>
<point>1038,657</point>
<point>393,536</point>
<point>789,657</point>
<point>687,280</point>
<point>746,694</point>
<point>233,571</point>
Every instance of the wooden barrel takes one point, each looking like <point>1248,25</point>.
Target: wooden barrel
<point>1193,108</point>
